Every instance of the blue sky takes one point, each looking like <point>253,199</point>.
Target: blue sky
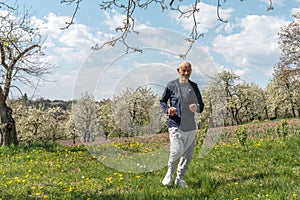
<point>246,45</point>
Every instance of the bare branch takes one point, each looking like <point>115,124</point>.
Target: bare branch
<point>2,4</point>
<point>128,25</point>
<point>270,7</point>
<point>218,11</point>
<point>129,20</point>
<point>20,49</point>
<point>74,13</point>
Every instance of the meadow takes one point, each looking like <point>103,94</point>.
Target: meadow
<point>256,161</point>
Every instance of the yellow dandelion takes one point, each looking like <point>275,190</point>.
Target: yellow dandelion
<point>131,145</point>
<point>109,179</point>
<point>9,182</point>
<point>46,196</point>
<point>138,177</point>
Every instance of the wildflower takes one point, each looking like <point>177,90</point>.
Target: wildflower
<point>108,179</point>
<point>258,144</point>
<point>37,194</point>
<point>71,189</point>
<point>132,145</point>
<point>46,196</point>
<point>294,195</point>
<point>138,177</point>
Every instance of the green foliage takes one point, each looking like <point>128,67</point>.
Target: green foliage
<point>201,135</point>
<point>282,128</point>
<point>242,135</point>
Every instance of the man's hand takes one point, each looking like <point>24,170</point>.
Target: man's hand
<point>193,107</point>
<point>172,111</point>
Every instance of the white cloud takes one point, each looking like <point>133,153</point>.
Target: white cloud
<point>278,2</point>
<point>206,16</point>
<point>114,19</point>
<point>72,44</point>
<point>67,50</point>
<point>241,72</point>
<point>255,45</point>
<point>295,10</point>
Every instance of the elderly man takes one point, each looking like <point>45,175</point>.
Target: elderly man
<point>180,100</point>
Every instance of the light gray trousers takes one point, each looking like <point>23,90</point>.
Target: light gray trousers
<point>181,150</point>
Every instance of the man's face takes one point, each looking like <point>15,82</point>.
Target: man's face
<point>185,71</point>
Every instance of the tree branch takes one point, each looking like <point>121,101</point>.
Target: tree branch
<point>3,57</point>
<point>218,11</point>
<point>74,13</point>
<point>129,21</point>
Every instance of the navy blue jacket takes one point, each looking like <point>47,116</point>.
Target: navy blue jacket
<point>184,119</point>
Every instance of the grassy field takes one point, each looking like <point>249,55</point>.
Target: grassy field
<point>261,168</point>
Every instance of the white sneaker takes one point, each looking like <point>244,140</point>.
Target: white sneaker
<point>181,183</point>
<point>167,180</point>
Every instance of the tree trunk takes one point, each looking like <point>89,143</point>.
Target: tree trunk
<point>74,139</point>
<point>8,127</point>
<point>266,113</point>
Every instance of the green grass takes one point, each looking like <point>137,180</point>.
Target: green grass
<point>262,169</point>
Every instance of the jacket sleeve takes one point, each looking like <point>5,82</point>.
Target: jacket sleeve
<point>164,100</point>
<point>200,104</point>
